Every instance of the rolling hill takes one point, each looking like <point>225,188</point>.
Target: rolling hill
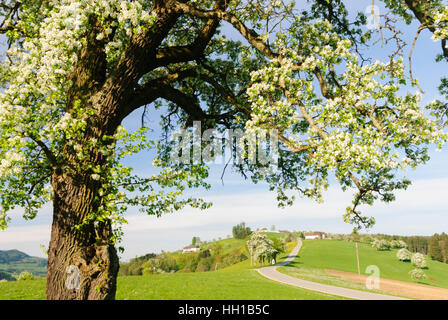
<point>318,255</point>
<point>13,262</point>
<point>238,281</point>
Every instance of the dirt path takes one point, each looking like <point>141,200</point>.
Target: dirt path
<point>402,288</point>
<point>273,274</point>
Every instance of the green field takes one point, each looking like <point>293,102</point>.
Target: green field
<point>234,282</point>
<point>244,285</point>
<point>317,255</point>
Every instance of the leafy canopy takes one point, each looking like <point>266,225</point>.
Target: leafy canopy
<point>298,72</point>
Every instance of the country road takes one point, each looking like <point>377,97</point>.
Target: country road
<point>272,273</point>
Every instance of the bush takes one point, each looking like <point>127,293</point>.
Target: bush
<point>404,254</point>
<point>417,274</point>
<point>394,244</point>
<point>381,245</point>
<point>403,244</point>
<point>397,244</point>
<point>418,260</point>
<point>25,275</point>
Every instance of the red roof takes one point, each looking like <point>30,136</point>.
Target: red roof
<point>191,247</point>
<point>314,233</point>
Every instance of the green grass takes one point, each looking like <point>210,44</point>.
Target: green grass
<point>234,282</point>
<point>341,255</point>
<point>241,284</point>
<point>22,290</point>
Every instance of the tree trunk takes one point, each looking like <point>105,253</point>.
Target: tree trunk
<point>82,263</point>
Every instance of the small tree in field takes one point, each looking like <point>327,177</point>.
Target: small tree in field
<point>25,275</point>
<point>404,254</point>
<point>261,248</point>
<point>381,245</point>
<point>419,260</point>
<point>417,274</point>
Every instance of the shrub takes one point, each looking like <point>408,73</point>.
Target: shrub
<point>25,275</point>
<point>404,254</point>
<point>418,260</point>
<point>397,244</point>
<point>381,245</point>
<point>417,274</point>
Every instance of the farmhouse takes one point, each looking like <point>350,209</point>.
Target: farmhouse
<point>264,230</point>
<point>191,249</point>
<point>315,235</point>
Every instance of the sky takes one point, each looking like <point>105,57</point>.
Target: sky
<point>421,210</point>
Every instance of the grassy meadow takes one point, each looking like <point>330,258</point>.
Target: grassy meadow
<point>238,281</point>
<point>317,255</point>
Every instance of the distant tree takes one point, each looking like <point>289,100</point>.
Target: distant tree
<point>435,251</point>
<point>417,274</point>
<point>203,265</point>
<point>444,246</point>
<point>204,254</point>
<point>402,244</point>
<point>418,260</point>
<point>193,241</point>
<point>240,231</point>
<point>404,254</point>
<point>279,245</point>
<point>381,245</point>
<point>6,276</point>
<point>394,244</point>
<point>261,248</point>
<point>417,244</point>
<point>25,275</point>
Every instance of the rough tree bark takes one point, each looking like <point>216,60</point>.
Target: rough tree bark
<point>88,252</point>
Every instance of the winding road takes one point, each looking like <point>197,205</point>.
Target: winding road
<point>272,273</point>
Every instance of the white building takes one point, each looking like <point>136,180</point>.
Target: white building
<point>191,249</point>
<point>315,235</point>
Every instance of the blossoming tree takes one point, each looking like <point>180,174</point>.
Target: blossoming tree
<point>75,69</point>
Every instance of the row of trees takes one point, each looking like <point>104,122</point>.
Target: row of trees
<point>438,247</point>
<point>209,259</point>
<point>414,243</point>
<point>382,244</point>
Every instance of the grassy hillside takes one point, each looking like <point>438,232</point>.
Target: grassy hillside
<point>214,255</point>
<point>341,255</point>
<point>245,285</point>
<point>234,282</point>
<point>14,262</point>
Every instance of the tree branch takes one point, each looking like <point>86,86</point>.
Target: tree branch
<point>176,54</point>
<point>250,35</point>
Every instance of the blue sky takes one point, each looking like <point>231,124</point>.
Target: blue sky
<point>422,209</point>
